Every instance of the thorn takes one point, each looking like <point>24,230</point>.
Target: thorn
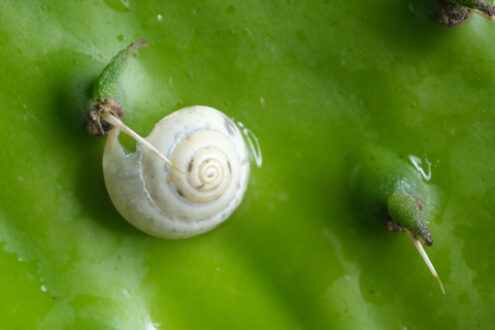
<point>485,15</point>
<point>111,119</point>
<point>426,259</point>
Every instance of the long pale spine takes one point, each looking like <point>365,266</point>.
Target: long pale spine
<point>426,259</point>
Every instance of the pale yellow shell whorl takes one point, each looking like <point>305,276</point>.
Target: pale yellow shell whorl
<point>203,143</point>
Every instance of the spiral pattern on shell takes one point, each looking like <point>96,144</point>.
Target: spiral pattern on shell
<point>202,142</point>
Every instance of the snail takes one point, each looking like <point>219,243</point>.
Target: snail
<point>163,202</point>
<point>388,188</point>
<point>185,178</point>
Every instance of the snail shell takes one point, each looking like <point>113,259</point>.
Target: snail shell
<point>203,143</point>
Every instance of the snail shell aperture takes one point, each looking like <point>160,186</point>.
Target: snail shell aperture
<point>200,141</point>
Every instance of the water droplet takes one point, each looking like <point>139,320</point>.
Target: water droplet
<point>159,18</point>
<point>43,288</point>
<point>253,144</point>
<point>417,163</point>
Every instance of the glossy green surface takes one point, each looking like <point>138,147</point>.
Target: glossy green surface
<point>314,80</point>
<point>387,187</point>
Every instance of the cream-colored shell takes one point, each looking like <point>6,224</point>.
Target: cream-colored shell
<point>203,143</point>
